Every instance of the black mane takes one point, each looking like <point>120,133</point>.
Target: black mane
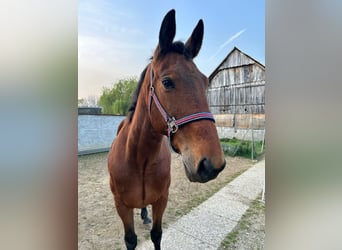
<point>176,47</point>
<point>133,105</point>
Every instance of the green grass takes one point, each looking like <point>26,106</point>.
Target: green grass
<point>201,198</point>
<point>245,222</point>
<point>235,147</point>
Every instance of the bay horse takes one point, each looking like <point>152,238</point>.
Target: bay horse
<point>169,104</point>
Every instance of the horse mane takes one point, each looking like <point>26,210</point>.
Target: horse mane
<point>134,101</point>
<point>176,47</point>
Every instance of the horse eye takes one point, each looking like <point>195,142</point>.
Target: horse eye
<point>168,83</point>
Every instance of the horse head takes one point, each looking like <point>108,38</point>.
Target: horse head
<point>178,104</point>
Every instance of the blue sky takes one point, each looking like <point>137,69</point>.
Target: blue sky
<point>117,38</point>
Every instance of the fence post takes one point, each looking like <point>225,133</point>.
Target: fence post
<point>252,136</point>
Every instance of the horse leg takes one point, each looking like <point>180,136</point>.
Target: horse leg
<point>126,215</point>
<point>157,214</point>
<point>144,216</point>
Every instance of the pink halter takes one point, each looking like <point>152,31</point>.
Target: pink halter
<point>173,124</point>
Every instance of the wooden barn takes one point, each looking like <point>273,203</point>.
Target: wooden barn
<point>237,85</point>
<point>236,92</point>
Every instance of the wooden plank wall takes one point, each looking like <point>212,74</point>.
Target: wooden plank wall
<point>240,121</point>
<point>238,86</point>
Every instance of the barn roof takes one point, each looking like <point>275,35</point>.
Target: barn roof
<point>229,54</point>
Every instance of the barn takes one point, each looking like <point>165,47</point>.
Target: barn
<point>236,94</point>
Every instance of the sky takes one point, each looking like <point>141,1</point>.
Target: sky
<point>116,38</point>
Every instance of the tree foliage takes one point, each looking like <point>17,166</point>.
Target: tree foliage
<point>117,99</point>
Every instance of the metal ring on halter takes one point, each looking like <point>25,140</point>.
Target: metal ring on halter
<point>173,127</point>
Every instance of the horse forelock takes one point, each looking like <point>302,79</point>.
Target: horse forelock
<point>176,47</point>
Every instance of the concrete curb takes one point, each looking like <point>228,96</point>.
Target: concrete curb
<point>207,225</point>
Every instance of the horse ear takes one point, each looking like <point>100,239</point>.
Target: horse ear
<point>167,30</point>
<point>194,43</point>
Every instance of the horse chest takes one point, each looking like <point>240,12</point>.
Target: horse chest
<point>140,187</point>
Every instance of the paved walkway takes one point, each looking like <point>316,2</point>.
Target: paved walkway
<point>208,224</point>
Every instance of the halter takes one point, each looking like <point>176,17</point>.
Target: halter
<point>174,124</point>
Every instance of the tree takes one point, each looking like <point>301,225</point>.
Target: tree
<point>117,99</point>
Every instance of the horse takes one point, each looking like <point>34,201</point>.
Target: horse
<point>169,109</point>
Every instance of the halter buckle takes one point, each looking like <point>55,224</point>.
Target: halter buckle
<point>173,127</point>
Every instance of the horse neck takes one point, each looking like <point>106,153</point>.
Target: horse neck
<point>142,137</point>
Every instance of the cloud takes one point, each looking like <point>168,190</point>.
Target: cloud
<point>222,46</point>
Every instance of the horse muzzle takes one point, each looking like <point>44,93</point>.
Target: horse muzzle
<point>205,171</point>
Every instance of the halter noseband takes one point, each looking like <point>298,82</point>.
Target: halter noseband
<point>173,124</point>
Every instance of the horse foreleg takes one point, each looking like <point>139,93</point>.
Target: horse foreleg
<point>158,209</point>
<point>144,216</point>
<point>126,215</point>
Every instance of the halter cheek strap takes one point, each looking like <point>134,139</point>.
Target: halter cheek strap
<point>174,124</point>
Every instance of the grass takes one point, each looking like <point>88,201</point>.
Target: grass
<point>201,198</point>
<point>235,147</point>
<point>256,207</point>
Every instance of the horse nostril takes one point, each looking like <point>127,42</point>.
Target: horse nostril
<point>206,170</point>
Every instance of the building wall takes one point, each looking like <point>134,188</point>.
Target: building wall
<point>235,59</point>
<point>240,121</point>
<point>238,86</point>
<point>241,126</point>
